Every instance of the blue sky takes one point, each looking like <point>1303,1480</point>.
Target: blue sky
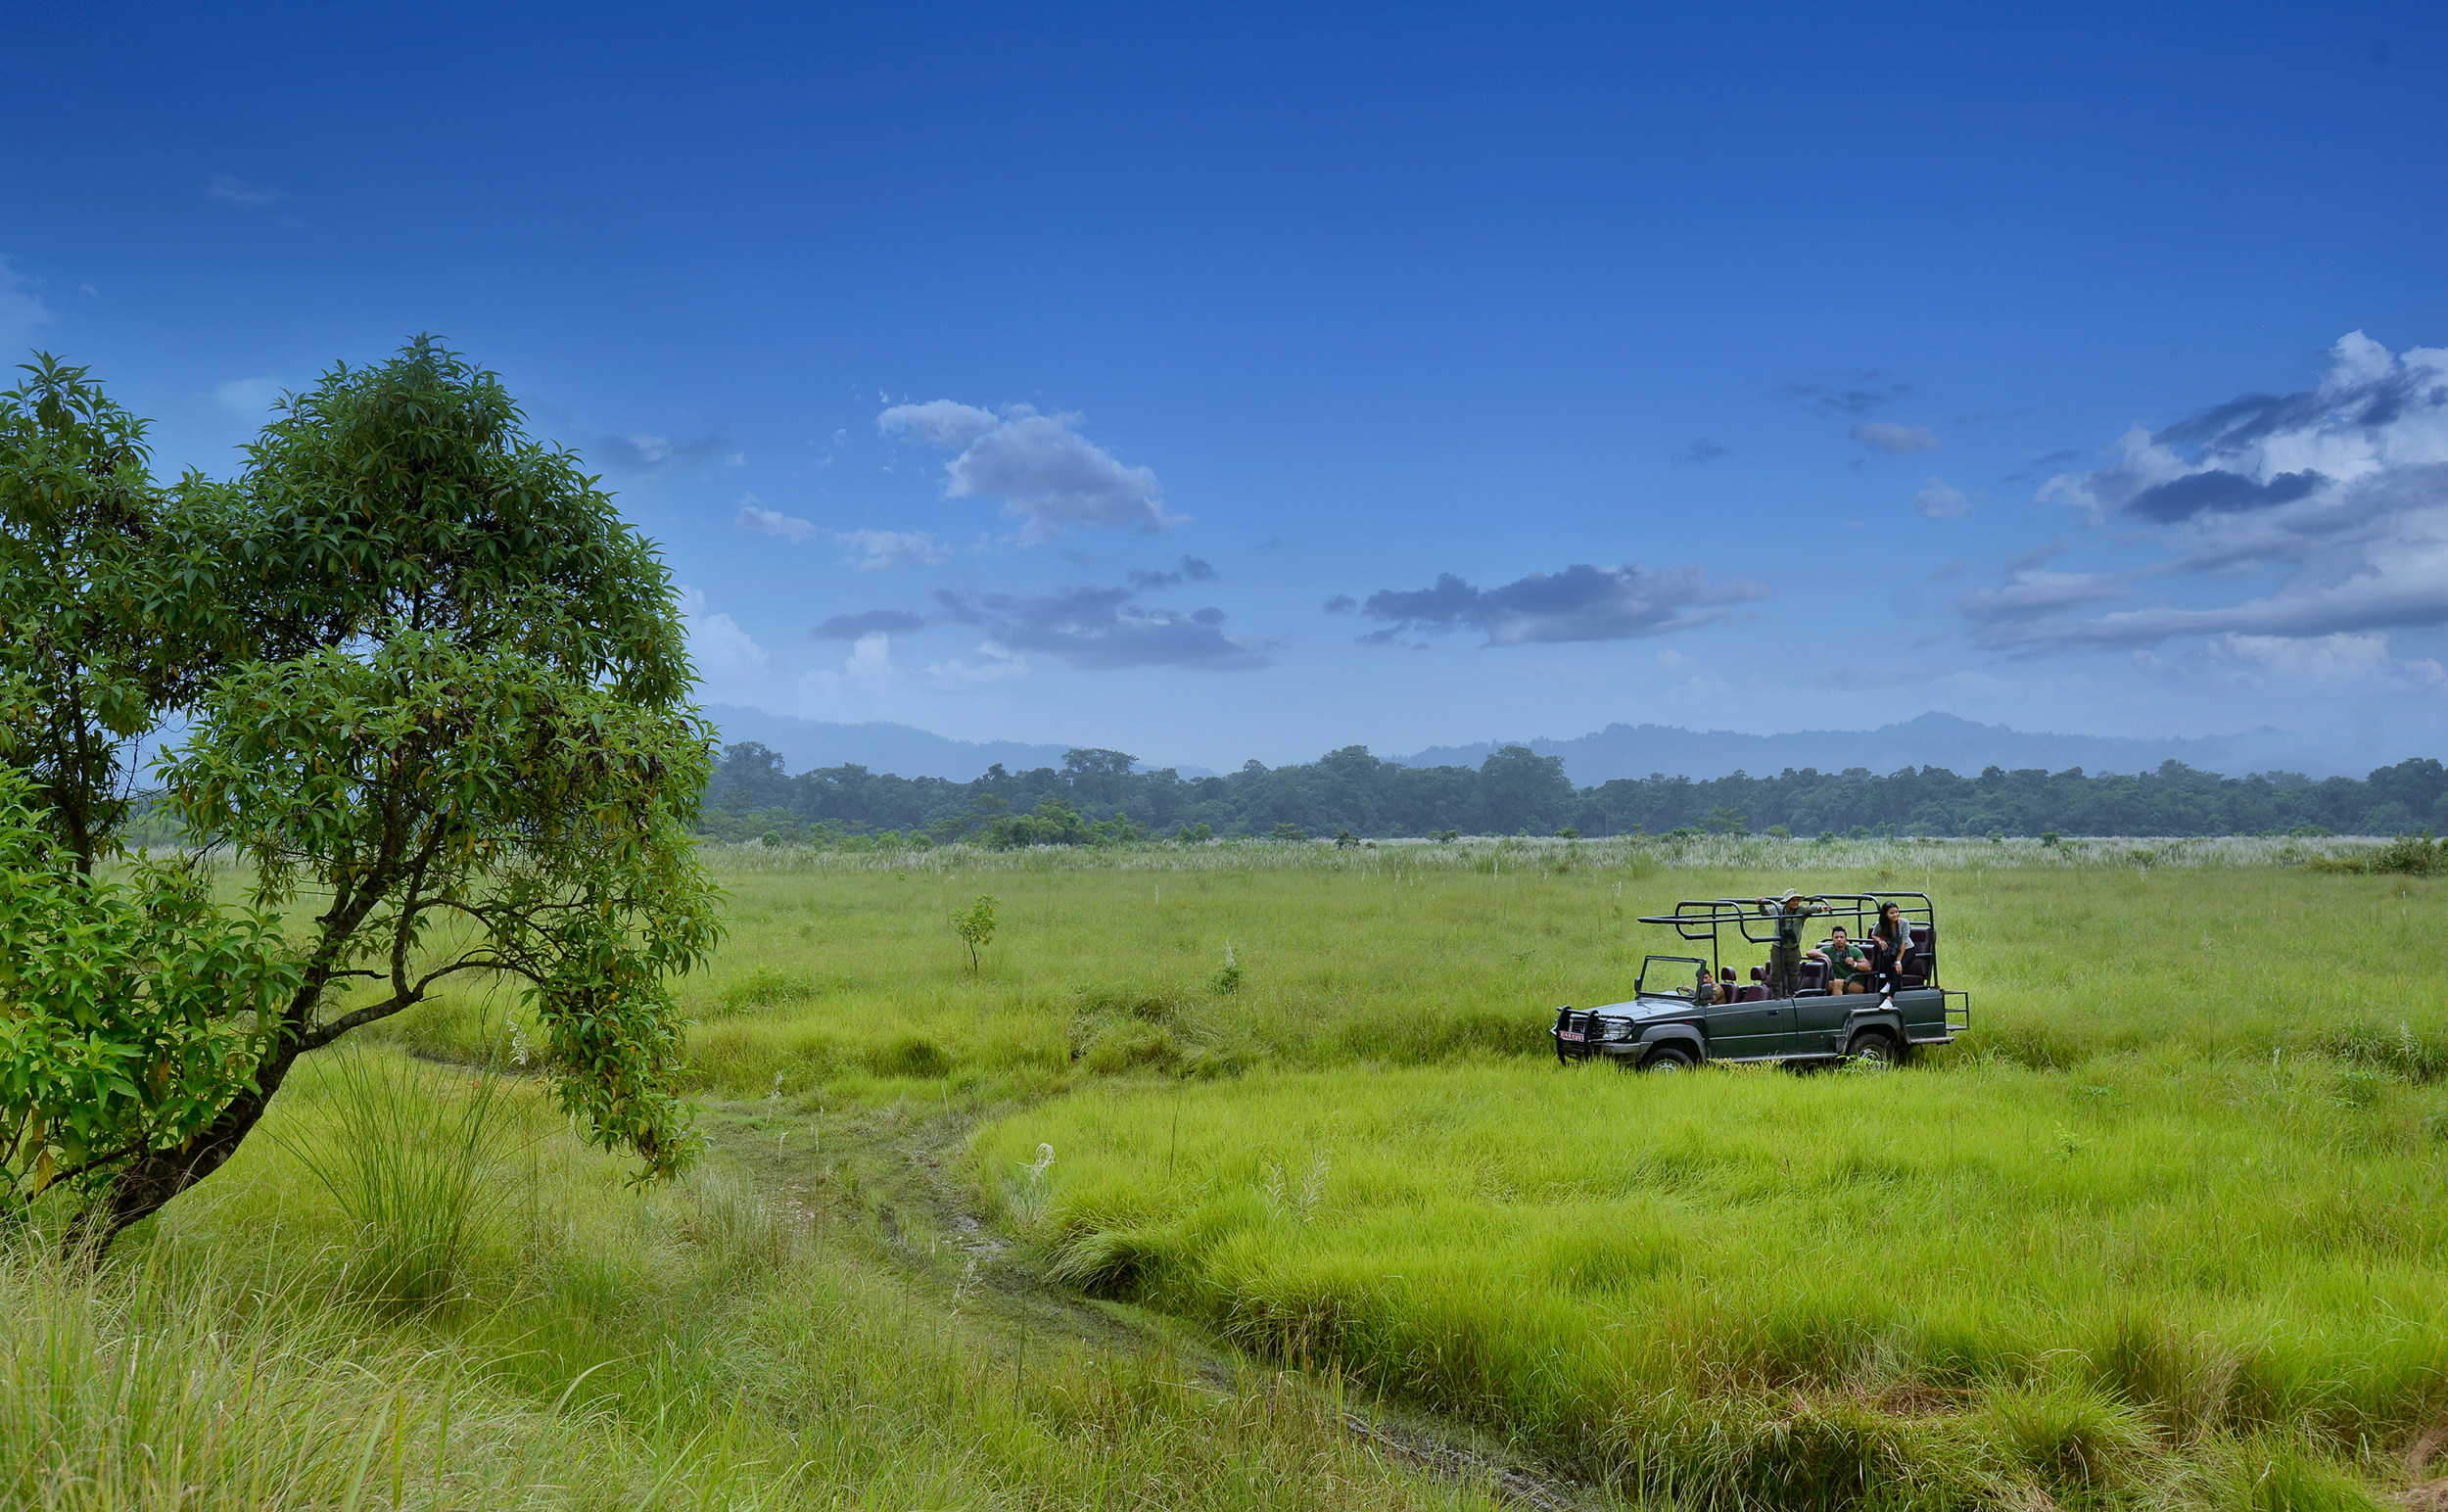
<point>1233,382</point>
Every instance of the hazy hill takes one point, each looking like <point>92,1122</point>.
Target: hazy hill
<point>1944,740</point>
<point>903,750</point>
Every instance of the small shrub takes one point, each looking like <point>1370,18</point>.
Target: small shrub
<point>911,1054</point>
<point>2408,855</point>
<point>763,987</point>
<point>1227,981</point>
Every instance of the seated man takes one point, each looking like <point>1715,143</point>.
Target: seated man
<point>1847,966</point>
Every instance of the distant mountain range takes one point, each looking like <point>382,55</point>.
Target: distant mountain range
<point>904,750</point>
<point>1959,745</point>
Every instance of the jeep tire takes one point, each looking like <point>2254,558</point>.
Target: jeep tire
<point>1873,1047</point>
<point>1668,1058</point>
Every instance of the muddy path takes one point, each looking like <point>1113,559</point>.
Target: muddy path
<point>887,1185</point>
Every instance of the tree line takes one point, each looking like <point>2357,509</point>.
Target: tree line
<point>1098,795</point>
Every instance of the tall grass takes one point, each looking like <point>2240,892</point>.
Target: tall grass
<point>695,1347</point>
<point>414,1159</point>
<point>1954,1288</point>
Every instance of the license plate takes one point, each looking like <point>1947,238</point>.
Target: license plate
<point>1575,1035</point>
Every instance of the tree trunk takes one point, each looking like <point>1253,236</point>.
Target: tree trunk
<point>147,1186</point>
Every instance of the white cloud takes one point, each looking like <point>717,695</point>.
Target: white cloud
<point>2306,666</point>
<point>247,398</point>
<point>939,422</point>
<point>869,675</point>
<point>770,522</point>
<point>240,193</point>
<point>1049,477</point>
<point>2038,591</point>
<point>990,664</point>
<point>873,551</point>
<point>1893,439</point>
<point>20,308</point>
<point>2332,658</point>
<point>724,652</point>
<point>1937,502</point>
<point>2342,489</point>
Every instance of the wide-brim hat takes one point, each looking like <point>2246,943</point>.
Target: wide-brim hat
<point>1789,895</point>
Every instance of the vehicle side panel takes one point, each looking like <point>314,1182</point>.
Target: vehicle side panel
<point>1742,1031</point>
<point>1820,1023</point>
<point>1924,1011</point>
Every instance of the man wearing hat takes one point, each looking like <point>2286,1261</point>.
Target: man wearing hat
<point>1792,912</point>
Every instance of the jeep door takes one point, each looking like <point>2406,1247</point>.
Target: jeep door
<point>1743,1030</point>
<point>1820,1022</point>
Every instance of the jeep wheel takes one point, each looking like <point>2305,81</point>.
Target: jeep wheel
<point>1668,1058</point>
<point>1873,1049</point>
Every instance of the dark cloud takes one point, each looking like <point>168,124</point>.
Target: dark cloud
<point>1191,570</point>
<point>1342,603</point>
<point>1701,450</point>
<point>1581,602</point>
<point>2338,487</point>
<point>1099,629</point>
<point>1894,439</point>
<point>1857,394</point>
<point>850,626</point>
<point>2199,493</point>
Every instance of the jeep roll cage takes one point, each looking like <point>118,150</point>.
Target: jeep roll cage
<point>1754,921</point>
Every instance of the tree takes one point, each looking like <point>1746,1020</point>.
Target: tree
<point>463,736</point>
<point>110,610</point>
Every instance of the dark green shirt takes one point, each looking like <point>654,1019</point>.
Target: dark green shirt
<point>1845,963</point>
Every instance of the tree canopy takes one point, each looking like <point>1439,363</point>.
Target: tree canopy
<point>437,712</point>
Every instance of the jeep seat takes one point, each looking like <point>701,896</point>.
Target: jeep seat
<point>1920,957</point>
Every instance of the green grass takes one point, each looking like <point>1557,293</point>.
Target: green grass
<point>703,1345</point>
<point>850,977</point>
<point>1661,1279</point>
<point>2167,1230</point>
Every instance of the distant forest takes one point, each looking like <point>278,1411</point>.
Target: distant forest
<point>1096,795</point>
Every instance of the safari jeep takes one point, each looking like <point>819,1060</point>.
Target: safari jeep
<point>1682,1012</point>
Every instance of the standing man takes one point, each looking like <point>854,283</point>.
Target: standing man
<point>1792,912</point>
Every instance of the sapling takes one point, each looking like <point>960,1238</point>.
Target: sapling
<point>975,925</point>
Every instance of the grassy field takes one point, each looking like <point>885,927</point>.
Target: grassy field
<point>586,1346</point>
<point>2166,1231</point>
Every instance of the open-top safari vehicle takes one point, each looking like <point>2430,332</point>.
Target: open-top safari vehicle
<point>1685,1009</point>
